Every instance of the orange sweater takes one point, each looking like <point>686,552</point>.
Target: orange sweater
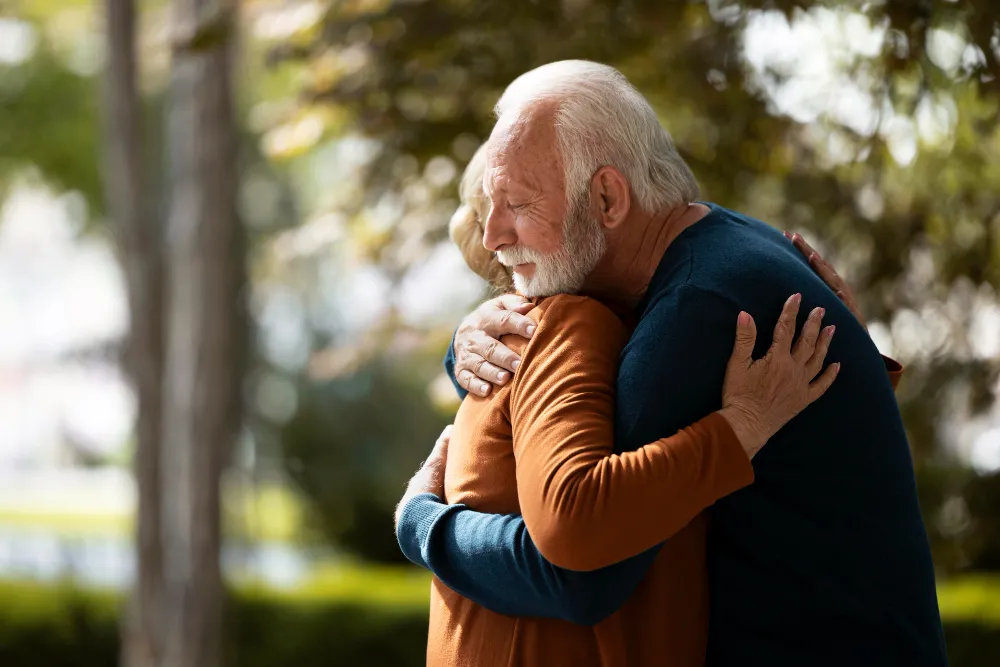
<point>541,446</point>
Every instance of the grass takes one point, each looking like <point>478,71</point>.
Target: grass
<point>274,513</point>
<point>965,598</point>
<point>971,598</point>
<point>351,614</point>
<point>68,525</point>
<point>974,597</point>
<point>271,513</point>
<point>392,586</point>
<point>379,587</point>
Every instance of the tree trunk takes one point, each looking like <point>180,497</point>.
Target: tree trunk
<point>139,242</point>
<point>206,326</point>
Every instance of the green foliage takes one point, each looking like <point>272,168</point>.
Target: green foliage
<point>970,607</point>
<point>354,443</point>
<point>62,627</point>
<point>360,618</point>
<point>982,498</point>
<point>916,237</point>
<point>961,514</point>
<point>315,635</point>
<point>49,121</point>
<point>57,626</point>
<point>422,78</point>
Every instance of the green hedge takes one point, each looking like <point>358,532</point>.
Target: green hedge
<point>357,618</point>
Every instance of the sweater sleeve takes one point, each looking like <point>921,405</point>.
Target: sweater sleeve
<point>585,507</point>
<point>894,369</point>
<point>491,560</point>
<point>449,368</point>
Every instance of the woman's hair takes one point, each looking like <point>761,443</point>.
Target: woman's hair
<point>466,226</point>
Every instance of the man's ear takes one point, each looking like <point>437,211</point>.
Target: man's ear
<point>610,192</point>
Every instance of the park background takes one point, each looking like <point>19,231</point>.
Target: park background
<point>263,191</point>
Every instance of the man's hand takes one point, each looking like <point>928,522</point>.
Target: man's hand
<point>481,360</point>
<point>759,397</point>
<point>430,477</point>
<point>829,275</point>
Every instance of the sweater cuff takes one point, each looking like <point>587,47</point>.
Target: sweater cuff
<point>449,368</point>
<point>415,522</point>
<point>894,369</point>
<point>734,470</point>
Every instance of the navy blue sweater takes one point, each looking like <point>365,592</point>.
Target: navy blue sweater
<point>822,560</point>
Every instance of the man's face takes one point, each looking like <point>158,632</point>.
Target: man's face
<point>550,249</point>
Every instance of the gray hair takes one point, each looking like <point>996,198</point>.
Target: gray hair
<point>602,120</point>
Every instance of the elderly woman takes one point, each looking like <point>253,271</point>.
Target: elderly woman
<point>509,454</point>
<point>466,226</point>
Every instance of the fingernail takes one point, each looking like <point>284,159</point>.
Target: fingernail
<point>501,376</point>
<point>484,387</point>
<point>795,237</point>
<point>830,329</point>
<point>744,318</point>
<point>515,364</point>
<point>822,312</point>
<point>838,366</point>
<point>787,235</point>
<point>796,298</point>
<point>531,330</point>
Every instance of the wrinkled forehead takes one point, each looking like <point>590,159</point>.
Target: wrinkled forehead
<point>523,147</point>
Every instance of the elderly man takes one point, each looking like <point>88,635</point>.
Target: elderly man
<point>823,560</point>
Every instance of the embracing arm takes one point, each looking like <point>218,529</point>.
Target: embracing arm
<point>844,292</point>
<point>491,559</point>
<point>477,361</point>
<point>585,507</point>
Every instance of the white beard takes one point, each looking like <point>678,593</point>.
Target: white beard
<point>565,270</point>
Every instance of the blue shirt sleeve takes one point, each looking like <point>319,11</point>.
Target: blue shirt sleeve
<point>671,376</point>
<point>449,368</point>
<point>490,559</point>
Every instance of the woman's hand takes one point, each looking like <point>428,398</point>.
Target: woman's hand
<point>430,477</point>
<point>829,275</point>
<point>759,397</point>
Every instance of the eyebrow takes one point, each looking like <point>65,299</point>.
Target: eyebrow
<point>487,190</point>
<point>507,184</point>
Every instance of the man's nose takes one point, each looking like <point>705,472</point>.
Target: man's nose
<point>498,231</point>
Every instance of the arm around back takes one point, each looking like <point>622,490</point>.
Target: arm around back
<point>585,507</point>
<point>491,560</point>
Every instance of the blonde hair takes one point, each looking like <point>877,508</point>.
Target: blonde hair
<point>466,226</point>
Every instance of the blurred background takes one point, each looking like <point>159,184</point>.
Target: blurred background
<point>226,285</point>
